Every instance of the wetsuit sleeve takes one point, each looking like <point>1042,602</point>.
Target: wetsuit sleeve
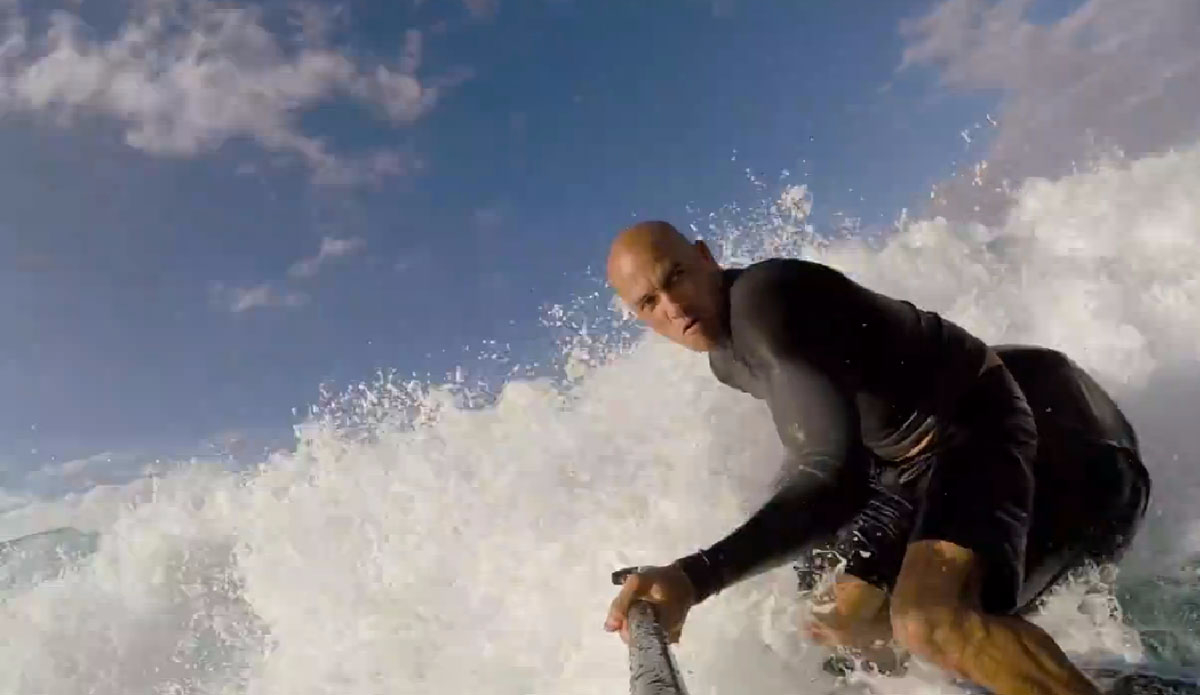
<point>824,478</point>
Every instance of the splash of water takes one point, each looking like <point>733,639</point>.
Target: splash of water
<point>433,538</point>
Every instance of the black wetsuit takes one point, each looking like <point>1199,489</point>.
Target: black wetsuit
<point>854,380</point>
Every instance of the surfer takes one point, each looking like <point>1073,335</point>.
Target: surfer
<point>958,479</point>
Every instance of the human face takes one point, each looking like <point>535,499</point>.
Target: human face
<point>677,293</point>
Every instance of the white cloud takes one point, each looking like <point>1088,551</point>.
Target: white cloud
<point>263,296</point>
<point>370,169</point>
<point>185,77</point>
<point>331,248</point>
<point>1111,76</point>
<point>239,300</point>
<point>401,94</point>
<point>403,97</point>
<point>315,22</point>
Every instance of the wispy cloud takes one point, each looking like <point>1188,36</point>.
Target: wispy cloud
<point>266,295</point>
<point>243,446</point>
<point>482,9</point>
<point>331,248</point>
<point>78,470</point>
<point>1111,75</point>
<point>722,8</point>
<point>315,21</point>
<point>491,217</point>
<point>186,77</point>
<point>9,500</point>
<point>239,300</point>
<point>413,259</point>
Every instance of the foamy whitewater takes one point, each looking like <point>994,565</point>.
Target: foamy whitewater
<point>414,545</point>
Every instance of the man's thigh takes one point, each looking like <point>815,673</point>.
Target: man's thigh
<point>938,573</point>
<point>976,507</point>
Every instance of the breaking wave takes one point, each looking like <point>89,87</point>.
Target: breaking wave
<point>428,537</point>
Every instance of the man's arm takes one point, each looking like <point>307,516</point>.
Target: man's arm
<point>825,473</point>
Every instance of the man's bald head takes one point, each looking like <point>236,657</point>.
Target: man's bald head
<point>648,238</point>
<point>672,284</point>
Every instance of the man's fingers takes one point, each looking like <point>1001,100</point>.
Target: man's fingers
<point>817,635</point>
<point>673,638</point>
<point>638,585</point>
<point>620,575</point>
<point>816,631</point>
<point>619,608</point>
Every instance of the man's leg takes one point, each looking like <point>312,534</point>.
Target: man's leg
<point>963,572</point>
<point>936,614</point>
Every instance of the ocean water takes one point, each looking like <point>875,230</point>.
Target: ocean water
<point>424,538</point>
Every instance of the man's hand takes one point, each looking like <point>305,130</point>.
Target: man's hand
<point>667,587</point>
<point>834,630</point>
<point>858,616</point>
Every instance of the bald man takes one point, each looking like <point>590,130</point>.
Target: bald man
<point>912,450</point>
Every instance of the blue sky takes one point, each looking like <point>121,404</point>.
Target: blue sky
<point>206,214</point>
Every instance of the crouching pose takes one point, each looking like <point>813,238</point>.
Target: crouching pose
<point>958,480</point>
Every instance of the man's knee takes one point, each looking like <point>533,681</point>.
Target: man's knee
<point>935,633</point>
<point>933,606</point>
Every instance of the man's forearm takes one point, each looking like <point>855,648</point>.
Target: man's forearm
<point>803,513</point>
